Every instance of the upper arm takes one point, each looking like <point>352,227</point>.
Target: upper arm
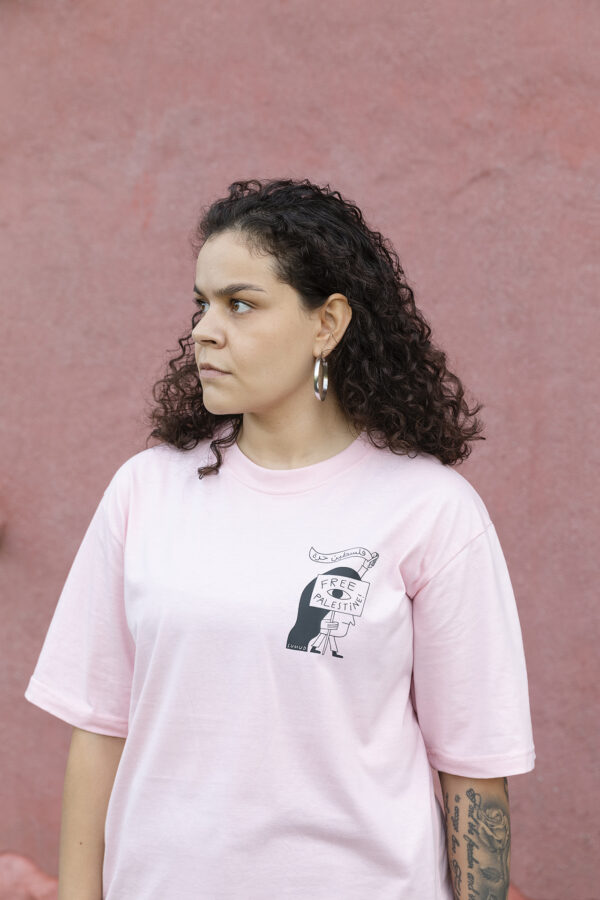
<point>96,755</point>
<point>461,781</point>
<point>469,676</point>
<point>487,787</point>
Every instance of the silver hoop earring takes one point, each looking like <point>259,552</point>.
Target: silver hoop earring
<point>320,364</point>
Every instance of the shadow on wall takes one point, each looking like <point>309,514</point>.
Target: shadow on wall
<point>22,879</point>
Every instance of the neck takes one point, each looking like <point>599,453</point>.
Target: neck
<point>278,441</point>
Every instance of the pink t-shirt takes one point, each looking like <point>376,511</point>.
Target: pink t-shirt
<point>191,621</point>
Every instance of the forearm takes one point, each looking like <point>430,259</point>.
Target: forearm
<point>477,819</point>
<point>91,767</point>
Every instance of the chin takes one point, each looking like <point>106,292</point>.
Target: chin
<point>218,409</point>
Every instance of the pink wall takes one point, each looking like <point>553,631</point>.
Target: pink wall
<point>468,133</point>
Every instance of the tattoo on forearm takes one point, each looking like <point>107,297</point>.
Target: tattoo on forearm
<point>457,877</point>
<point>455,816</point>
<point>489,824</point>
<point>454,864</point>
<point>487,845</point>
<point>471,858</point>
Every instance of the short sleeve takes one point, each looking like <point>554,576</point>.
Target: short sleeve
<point>470,688</point>
<point>84,671</point>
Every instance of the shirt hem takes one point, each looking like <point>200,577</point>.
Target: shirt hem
<point>45,698</point>
<point>485,766</point>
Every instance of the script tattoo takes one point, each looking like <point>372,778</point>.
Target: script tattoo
<point>455,816</point>
<point>488,848</point>
<point>457,877</point>
<point>455,843</point>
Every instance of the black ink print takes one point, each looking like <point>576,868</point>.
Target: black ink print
<point>330,604</point>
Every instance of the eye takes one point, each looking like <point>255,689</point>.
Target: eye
<point>201,303</point>
<point>241,301</point>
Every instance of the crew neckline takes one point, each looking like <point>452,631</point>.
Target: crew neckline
<point>289,481</point>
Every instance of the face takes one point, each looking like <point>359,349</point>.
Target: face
<point>259,335</point>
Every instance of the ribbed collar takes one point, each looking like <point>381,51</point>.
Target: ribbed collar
<point>291,481</point>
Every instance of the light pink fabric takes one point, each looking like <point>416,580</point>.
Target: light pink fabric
<point>254,767</point>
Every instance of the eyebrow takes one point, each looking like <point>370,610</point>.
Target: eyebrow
<point>232,289</point>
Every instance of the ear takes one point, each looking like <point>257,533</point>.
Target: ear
<point>334,318</point>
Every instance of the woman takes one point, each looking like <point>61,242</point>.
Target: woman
<point>301,502</point>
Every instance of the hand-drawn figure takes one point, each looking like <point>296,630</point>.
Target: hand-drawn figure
<point>331,602</point>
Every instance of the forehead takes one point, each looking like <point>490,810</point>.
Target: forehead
<point>227,257</point>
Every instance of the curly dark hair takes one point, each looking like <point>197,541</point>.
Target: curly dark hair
<point>389,378</point>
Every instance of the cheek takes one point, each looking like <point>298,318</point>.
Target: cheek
<point>291,340</point>
<point>280,349</point>
<point>288,354</point>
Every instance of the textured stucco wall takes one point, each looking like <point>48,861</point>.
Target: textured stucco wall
<point>468,133</point>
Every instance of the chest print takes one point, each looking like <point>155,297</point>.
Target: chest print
<point>331,602</point>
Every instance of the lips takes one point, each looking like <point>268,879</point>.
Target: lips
<point>205,367</point>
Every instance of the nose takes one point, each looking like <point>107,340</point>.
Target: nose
<point>207,329</point>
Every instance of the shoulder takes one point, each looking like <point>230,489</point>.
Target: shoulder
<point>426,483</point>
<point>156,465</point>
<point>434,510</point>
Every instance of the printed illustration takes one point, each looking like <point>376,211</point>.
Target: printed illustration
<point>331,602</point>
